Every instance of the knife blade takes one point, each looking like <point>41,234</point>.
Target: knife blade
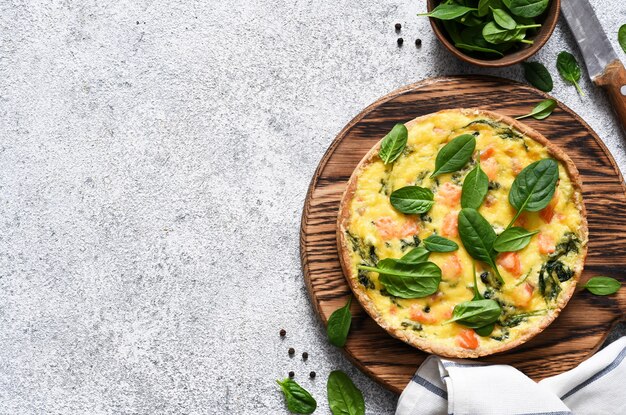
<point>594,45</point>
<point>603,66</point>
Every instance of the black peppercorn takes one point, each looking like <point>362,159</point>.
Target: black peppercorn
<point>291,351</point>
<point>305,355</point>
<point>400,41</point>
<point>291,374</point>
<point>398,26</point>
<point>418,42</point>
<point>312,375</point>
<point>282,332</point>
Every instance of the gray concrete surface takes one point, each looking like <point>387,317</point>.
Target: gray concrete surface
<point>154,158</point>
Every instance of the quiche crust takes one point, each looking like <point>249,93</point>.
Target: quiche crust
<point>433,345</point>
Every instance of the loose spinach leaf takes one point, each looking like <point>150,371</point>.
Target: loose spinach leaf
<point>416,255</point>
<point>412,200</point>
<point>475,188</point>
<point>538,76</point>
<point>513,239</point>
<point>541,110</point>
<point>569,69</point>
<point>534,187</point>
<point>503,19</point>
<point>344,398</point>
<point>339,325</point>
<point>393,143</point>
<point>603,285</point>
<point>621,37</point>
<point>526,8</point>
<point>476,48</point>
<point>454,155</point>
<point>436,243</point>
<point>476,314</point>
<point>448,11</point>
<point>407,279</point>
<point>299,401</point>
<point>478,238</point>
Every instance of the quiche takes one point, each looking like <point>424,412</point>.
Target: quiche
<point>433,277</point>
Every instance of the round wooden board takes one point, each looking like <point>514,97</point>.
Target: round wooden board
<point>585,322</point>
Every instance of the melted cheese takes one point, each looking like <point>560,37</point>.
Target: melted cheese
<point>387,233</point>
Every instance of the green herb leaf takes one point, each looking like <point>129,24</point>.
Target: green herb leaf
<point>513,239</point>
<point>299,401</point>
<point>339,325</point>
<point>343,397</point>
<point>478,237</point>
<point>475,188</point>
<point>436,243</point>
<point>621,37</point>
<point>603,285</point>
<point>503,19</point>
<point>569,69</point>
<point>538,76</point>
<point>407,279</point>
<point>483,8</point>
<point>412,200</point>
<point>485,330</point>
<point>416,255</point>
<point>454,155</point>
<point>476,48</point>
<point>393,143</point>
<point>495,34</point>
<point>541,110</point>
<point>476,314</point>
<point>534,187</point>
<point>448,11</point>
<point>526,8</point>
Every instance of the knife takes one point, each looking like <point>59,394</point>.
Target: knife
<point>603,66</point>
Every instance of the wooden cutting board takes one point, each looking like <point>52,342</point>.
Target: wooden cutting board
<point>582,326</point>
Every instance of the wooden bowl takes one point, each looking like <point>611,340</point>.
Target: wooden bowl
<point>548,23</point>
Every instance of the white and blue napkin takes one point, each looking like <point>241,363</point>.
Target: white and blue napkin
<point>462,387</point>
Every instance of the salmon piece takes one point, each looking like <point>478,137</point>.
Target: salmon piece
<point>451,269</point>
<point>393,310</point>
<point>467,339</point>
<point>522,220</point>
<point>388,228</point>
<point>510,262</point>
<point>449,194</point>
<point>487,153</point>
<point>547,244</point>
<point>490,200</point>
<point>516,166</point>
<point>448,313</point>
<point>547,213</point>
<point>450,226</point>
<point>490,167</point>
<point>385,227</point>
<point>409,228</point>
<point>523,294</point>
<point>416,313</point>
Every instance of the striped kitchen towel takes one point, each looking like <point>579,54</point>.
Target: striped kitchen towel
<point>446,386</point>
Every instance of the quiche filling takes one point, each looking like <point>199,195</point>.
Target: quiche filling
<point>532,281</point>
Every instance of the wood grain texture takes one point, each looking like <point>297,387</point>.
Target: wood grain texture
<point>585,322</point>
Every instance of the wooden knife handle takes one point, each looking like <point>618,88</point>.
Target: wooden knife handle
<point>613,81</point>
